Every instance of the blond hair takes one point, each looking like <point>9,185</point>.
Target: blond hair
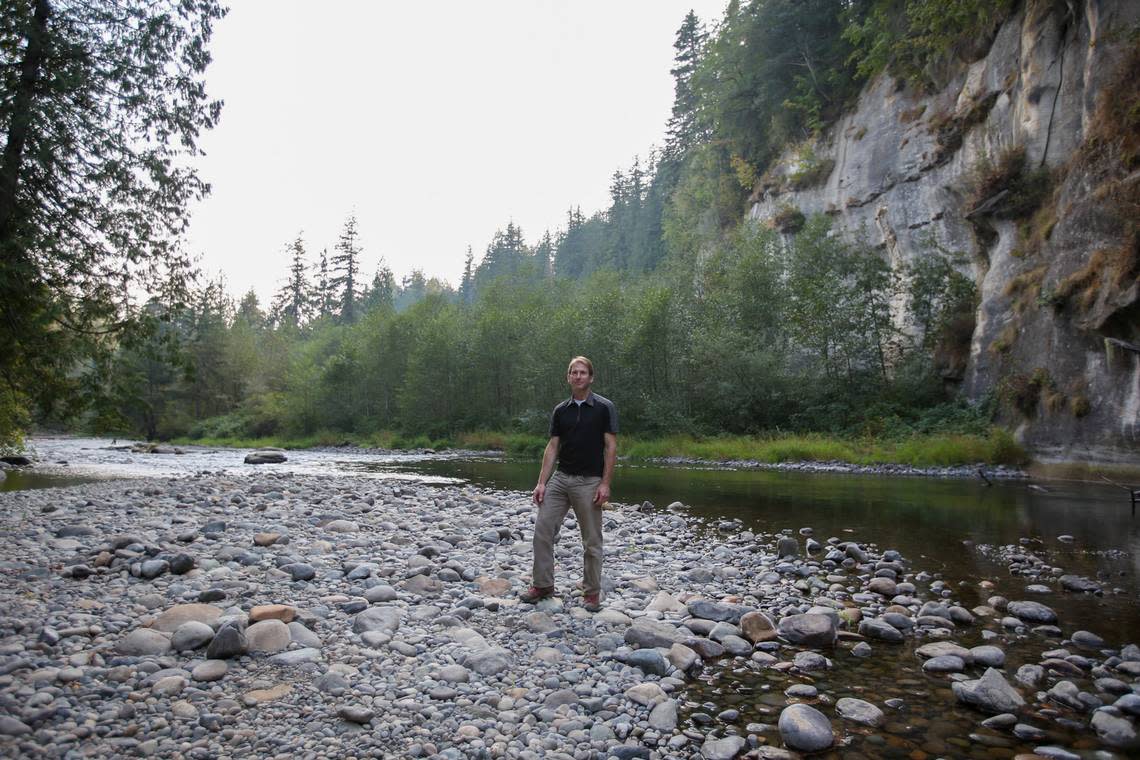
<point>580,360</point>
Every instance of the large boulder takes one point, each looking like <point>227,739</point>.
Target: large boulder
<point>810,630</point>
<point>266,456</point>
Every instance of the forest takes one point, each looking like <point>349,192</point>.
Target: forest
<point>700,322</point>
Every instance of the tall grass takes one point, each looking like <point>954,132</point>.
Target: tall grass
<point>917,450</point>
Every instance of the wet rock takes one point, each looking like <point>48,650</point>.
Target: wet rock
<point>757,627</point>
<point>265,456</point>
<point>859,711</point>
<point>990,693</point>
<point>805,728</point>
<point>810,630</point>
<point>1115,730</point>
<point>723,749</point>
<point>946,663</point>
<point>873,628</point>
<point>1032,612</point>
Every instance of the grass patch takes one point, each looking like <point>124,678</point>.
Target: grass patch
<point>918,450</point>
<point>932,450</point>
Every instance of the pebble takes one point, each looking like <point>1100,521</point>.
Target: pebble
<point>293,610</point>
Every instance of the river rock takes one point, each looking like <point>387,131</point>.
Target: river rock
<point>991,693</point>
<point>804,728</point>
<point>228,642</point>
<point>719,611</point>
<point>873,628</point>
<point>810,630</point>
<point>663,717</point>
<point>722,749</point>
<point>267,636</point>
<point>1032,612</point>
<point>265,456</point>
<point>191,635</point>
<point>171,619</point>
<point>142,642</point>
<point>757,627</point>
<point>382,619</point>
<point>1115,730</point>
<point>859,711</point>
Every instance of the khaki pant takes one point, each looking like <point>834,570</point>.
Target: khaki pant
<point>562,492</point>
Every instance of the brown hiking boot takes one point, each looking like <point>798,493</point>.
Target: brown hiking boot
<point>536,593</point>
<point>592,602</point>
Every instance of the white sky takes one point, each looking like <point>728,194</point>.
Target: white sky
<point>436,123</point>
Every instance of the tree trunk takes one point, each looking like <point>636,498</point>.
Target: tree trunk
<point>20,126</point>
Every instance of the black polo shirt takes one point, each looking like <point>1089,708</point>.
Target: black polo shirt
<point>581,430</point>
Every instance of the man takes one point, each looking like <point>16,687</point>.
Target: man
<point>583,440</point>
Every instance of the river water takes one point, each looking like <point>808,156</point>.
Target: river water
<point>953,528</point>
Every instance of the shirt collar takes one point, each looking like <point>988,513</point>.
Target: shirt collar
<point>588,400</point>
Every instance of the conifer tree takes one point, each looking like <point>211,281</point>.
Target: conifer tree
<point>467,284</point>
<point>324,296</point>
<point>345,266</point>
<point>684,130</point>
<point>294,301</point>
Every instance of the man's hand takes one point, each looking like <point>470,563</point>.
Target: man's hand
<point>539,493</point>
<point>602,495</point>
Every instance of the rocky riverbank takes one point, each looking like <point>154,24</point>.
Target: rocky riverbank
<point>301,616</point>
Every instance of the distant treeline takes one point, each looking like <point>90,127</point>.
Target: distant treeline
<point>698,321</point>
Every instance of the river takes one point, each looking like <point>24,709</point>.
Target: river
<point>961,530</point>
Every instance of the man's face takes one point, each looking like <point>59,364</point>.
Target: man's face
<point>579,377</point>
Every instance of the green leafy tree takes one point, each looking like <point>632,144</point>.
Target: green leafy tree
<point>102,103</point>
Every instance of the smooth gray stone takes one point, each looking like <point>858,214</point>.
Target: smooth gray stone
<point>379,594</point>
<point>987,655</point>
<point>946,663</point>
<point>10,726</point>
<point>811,630</point>
<point>805,728</point>
<point>1032,612</point>
<point>381,619</point>
<point>859,711</point>
<point>649,661</point>
<point>489,662</point>
<point>723,749</point>
<point>296,657</point>
<point>560,697</point>
<point>142,642</point>
<point>191,635</point>
<point>874,628</point>
<point>651,633</point>
<point>355,714</point>
<point>303,636</point>
<point>991,693</point>
<point>663,717</point>
<point>719,611</point>
<point>1114,730</point>
<point>210,670</point>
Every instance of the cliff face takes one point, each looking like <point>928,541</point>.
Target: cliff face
<point>1056,272</point>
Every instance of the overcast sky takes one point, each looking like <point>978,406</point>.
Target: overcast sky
<point>436,123</point>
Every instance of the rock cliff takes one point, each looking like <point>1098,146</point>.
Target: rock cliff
<point>1027,161</point>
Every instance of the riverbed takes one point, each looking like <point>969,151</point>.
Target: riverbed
<point>964,543</point>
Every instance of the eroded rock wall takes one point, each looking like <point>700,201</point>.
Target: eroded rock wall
<point>903,169</point>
